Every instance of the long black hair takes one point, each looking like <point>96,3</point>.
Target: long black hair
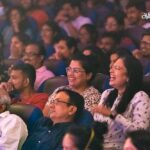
<point>135,75</point>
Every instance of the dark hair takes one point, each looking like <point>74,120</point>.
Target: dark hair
<point>24,38</point>
<point>73,3</point>
<point>23,25</point>
<point>55,28</point>
<point>91,29</point>
<point>119,17</point>
<point>89,63</point>
<point>76,100</point>
<point>121,51</point>
<point>70,42</point>
<point>113,35</point>
<point>88,138</point>
<point>28,70</point>
<point>138,4</point>
<point>41,48</point>
<point>140,139</point>
<point>135,75</point>
<point>146,32</point>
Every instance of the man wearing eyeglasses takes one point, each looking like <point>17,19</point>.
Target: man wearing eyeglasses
<point>144,53</point>
<point>35,55</point>
<point>48,132</point>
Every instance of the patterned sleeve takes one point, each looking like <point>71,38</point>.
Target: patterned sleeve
<point>140,116</point>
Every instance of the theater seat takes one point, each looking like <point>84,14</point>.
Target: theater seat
<point>51,84</point>
<point>101,82</point>
<point>86,119</point>
<point>29,113</point>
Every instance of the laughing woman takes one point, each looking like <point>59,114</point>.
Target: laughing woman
<point>125,107</point>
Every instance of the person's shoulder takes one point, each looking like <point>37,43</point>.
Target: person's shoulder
<point>40,95</point>
<point>93,90</point>
<point>141,94</point>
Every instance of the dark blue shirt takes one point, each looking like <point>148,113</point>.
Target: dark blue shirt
<point>46,136</point>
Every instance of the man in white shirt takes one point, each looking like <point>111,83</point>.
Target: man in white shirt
<point>70,18</point>
<point>13,131</point>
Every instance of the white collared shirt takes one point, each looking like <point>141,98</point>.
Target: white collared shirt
<point>13,131</point>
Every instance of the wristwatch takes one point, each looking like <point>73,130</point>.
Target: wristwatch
<point>113,114</point>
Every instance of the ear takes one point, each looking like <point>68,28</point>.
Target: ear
<point>26,82</point>
<point>89,76</point>
<point>72,110</point>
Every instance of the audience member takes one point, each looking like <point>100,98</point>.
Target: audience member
<point>79,137</point>
<point>17,22</point>
<point>35,55</point>
<point>21,81</point>
<point>50,32</point>
<point>144,53</point>
<point>64,49</point>
<point>88,35</point>
<point>137,140</point>
<point>115,23</point>
<point>70,17</point>
<point>136,25</point>
<point>17,45</point>
<point>48,132</point>
<point>80,73</point>
<point>125,107</point>
<point>13,130</point>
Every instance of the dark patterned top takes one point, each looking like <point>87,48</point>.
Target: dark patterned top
<point>136,116</point>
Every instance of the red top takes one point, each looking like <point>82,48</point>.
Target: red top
<point>36,99</point>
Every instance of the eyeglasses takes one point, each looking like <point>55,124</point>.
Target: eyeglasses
<point>57,101</point>
<point>74,70</point>
<point>30,54</point>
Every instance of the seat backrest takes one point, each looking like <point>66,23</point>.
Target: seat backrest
<point>86,119</point>
<point>29,113</point>
<point>51,84</point>
<point>146,84</point>
<point>100,82</point>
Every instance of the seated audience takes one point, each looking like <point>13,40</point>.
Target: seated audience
<point>87,36</point>
<point>17,45</point>
<point>143,54</point>
<point>50,32</point>
<point>70,17</point>
<point>124,107</point>
<point>35,55</point>
<point>80,73</point>
<point>79,137</point>
<point>21,86</point>
<point>48,132</point>
<point>13,130</point>
<point>137,140</point>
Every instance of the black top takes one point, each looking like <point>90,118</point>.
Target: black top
<point>46,136</point>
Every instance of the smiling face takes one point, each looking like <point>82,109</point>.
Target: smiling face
<point>15,16</point>
<point>145,45</point>
<point>63,50</point>
<point>47,34</point>
<point>77,76</point>
<point>118,75</point>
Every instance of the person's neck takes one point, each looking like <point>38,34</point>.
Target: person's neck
<point>26,93</point>
<point>121,91</point>
<point>67,120</point>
